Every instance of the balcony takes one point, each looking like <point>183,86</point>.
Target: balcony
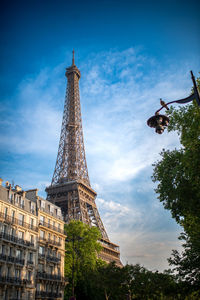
<point>10,220</point>
<point>19,261</point>
<point>41,256</point>
<point>50,241</point>
<point>3,257</point>
<point>53,259</point>
<point>42,223</point>
<point>13,280</point>
<point>43,294</point>
<point>46,276</point>
<point>11,259</point>
<point>16,240</point>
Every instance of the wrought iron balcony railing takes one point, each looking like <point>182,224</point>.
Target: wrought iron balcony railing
<point>41,256</point>
<point>12,259</point>
<point>43,275</point>
<point>50,226</point>
<point>50,241</point>
<point>13,239</point>
<point>14,280</point>
<point>53,258</point>
<point>45,294</point>
<point>16,221</point>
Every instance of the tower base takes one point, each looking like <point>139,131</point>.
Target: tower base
<point>77,202</point>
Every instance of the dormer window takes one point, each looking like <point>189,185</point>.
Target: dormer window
<point>51,209</point>
<point>43,205</point>
<point>32,207</point>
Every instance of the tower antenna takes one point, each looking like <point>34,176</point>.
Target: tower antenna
<point>73,57</point>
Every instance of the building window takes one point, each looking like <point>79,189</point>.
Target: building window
<point>12,231</point>
<point>29,275</point>
<point>18,254</point>
<point>42,219</point>
<point>20,234</point>
<point>8,271</point>
<point>41,250</point>
<point>43,205</point>
<point>59,213</point>
<point>40,267</point>
<point>51,209</point>
<point>5,211</point>
<point>51,270</point>
<point>30,256</point>
<point>13,215</point>
<point>32,239</point>
<point>42,234</point>
<point>21,202</point>
<point>21,219</point>
<point>3,249</point>
<point>32,207</point>
<point>31,223</point>
<point>4,229</point>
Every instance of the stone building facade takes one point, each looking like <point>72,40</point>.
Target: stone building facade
<point>32,246</point>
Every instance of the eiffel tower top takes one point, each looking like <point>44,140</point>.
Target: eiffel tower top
<point>71,161</point>
<point>73,68</point>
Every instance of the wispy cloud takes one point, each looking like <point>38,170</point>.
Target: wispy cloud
<point>119,90</point>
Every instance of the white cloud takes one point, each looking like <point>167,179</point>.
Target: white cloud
<point>138,232</point>
<point>113,207</point>
<point>119,91</point>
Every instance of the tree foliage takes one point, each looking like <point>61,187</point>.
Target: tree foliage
<point>110,282</point>
<point>81,251</point>
<point>178,177</point>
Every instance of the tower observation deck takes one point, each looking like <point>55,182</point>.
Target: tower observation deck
<point>70,187</point>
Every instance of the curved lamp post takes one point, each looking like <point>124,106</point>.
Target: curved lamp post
<point>160,122</point>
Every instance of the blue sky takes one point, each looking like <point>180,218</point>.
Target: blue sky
<point>130,54</point>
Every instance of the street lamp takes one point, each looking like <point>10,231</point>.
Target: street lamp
<point>160,122</point>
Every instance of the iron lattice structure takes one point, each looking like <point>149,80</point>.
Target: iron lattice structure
<point>71,162</point>
<point>70,187</point>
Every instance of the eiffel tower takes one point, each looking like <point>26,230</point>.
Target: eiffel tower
<point>70,187</point>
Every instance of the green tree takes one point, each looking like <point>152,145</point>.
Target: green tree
<point>178,177</point>
<point>109,281</point>
<point>144,284</point>
<point>81,249</point>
